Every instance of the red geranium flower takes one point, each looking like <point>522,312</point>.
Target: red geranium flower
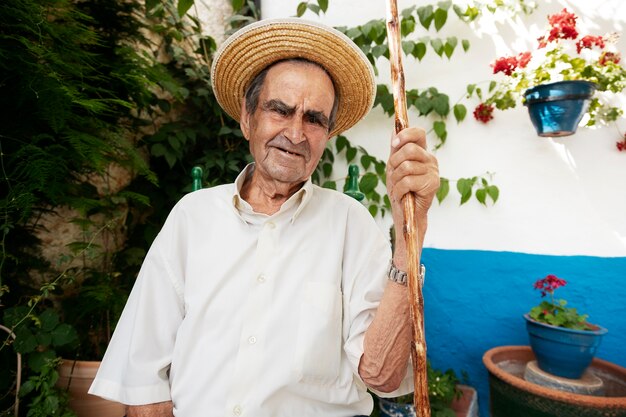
<point>607,57</point>
<point>621,145</point>
<point>588,42</point>
<point>563,26</point>
<point>483,112</point>
<point>548,284</point>
<point>506,64</point>
<point>523,59</point>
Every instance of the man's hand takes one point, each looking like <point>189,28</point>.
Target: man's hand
<point>411,168</point>
<point>164,409</point>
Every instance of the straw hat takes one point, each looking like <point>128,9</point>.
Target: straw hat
<point>251,49</point>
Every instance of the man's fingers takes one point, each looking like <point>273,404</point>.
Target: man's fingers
<point>423,185</point>
<point>411,134</point>
<point>408,152</point>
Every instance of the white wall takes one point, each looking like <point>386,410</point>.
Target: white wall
<point>557,196</point>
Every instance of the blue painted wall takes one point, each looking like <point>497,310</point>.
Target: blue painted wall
<point>474,300</point>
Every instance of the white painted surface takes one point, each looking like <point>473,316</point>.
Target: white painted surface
<point>563,196</point>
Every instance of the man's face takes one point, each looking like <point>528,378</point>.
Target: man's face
<point>289,129</point>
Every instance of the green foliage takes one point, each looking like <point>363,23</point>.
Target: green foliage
<point>48,400</point>
<point>317,7</point>
<point>372,171</point>
<point>442,390</point>
<point>557,314</point>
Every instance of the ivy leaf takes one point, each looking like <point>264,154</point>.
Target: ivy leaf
<point>470,89</point>
<point>445,5</point>
<point>466,44</point>
<point>366,161</point>
<point>184,6</point>
<point>437,45</point>
<point>464,187</point>
<point>492,85</point>
<point>407,47</point>
<point>423,105</point>
<point>440,130</point>
<point>379,50</point>
<point>425,14</point>
<point>368,183</point>
<point>450,46</point>
<point>407,26</point>
<point>380,168</point>
<point>481,195</point>
<point>237,4</point>
<point>373,209</point>
<point>330,184</point>
<point>350,154</point>
<point>444,189</point>
<point>441,104</point>
<point>314,8</point>
<point>301,9</point>
<point>419,50</point>
<point>341,143</point>
<point>493,192</point>
<point>387,201</point>
<point>459,112</point>
<point>441,15</point>
<point>327,168</point>
<point>323,5</point>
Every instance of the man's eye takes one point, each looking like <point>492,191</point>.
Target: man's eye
<point>314,120</point>
<point>280,111</point>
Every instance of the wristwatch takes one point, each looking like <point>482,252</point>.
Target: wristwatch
<point>400,277</point>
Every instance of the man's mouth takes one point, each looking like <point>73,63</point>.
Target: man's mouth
<point>288,152</point>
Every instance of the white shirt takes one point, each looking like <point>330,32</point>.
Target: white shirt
<point>236,313</point>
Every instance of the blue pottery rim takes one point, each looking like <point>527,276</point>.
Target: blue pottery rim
<point>600,331</point>
<point>591,88</point>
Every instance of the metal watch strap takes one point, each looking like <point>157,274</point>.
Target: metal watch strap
<point>400,277</point>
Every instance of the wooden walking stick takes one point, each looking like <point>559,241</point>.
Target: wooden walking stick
<point>416,302</point>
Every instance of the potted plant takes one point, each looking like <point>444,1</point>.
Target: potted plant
<point>558,81</point>
<point>448,398</point>
<point>561,338</point>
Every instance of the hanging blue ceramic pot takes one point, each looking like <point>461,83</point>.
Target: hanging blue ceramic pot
<point>560,351</point>
<point>556,108</point>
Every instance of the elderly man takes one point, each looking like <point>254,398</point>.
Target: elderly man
<point>272,296</point>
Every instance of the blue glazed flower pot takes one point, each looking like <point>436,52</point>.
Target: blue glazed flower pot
<point>560,351</point>
<point>556,108</point>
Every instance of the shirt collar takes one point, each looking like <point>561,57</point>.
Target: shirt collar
<point>294,205</point>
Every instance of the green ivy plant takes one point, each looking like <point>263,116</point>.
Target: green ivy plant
<point>442,391</point>
<point>429,103</point>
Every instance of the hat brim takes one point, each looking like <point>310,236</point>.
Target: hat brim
<point>250,50</point>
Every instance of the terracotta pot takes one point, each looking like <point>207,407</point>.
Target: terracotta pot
<point>76,377</point>
<point>512,396</point>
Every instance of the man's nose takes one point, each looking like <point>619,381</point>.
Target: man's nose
<point>294,131</point>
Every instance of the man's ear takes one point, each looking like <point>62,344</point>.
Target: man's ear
<point>244,120</point>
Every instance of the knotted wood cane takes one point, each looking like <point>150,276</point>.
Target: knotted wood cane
<point>416,302</point>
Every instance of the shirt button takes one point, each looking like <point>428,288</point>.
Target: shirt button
<point>261,278</point>
<point>237,410</point>
<point>271,225</point>
<point>252,340</point>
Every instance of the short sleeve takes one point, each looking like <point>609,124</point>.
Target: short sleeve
<point>134,370</point>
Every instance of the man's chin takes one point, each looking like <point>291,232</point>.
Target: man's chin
<point>288,175</point>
